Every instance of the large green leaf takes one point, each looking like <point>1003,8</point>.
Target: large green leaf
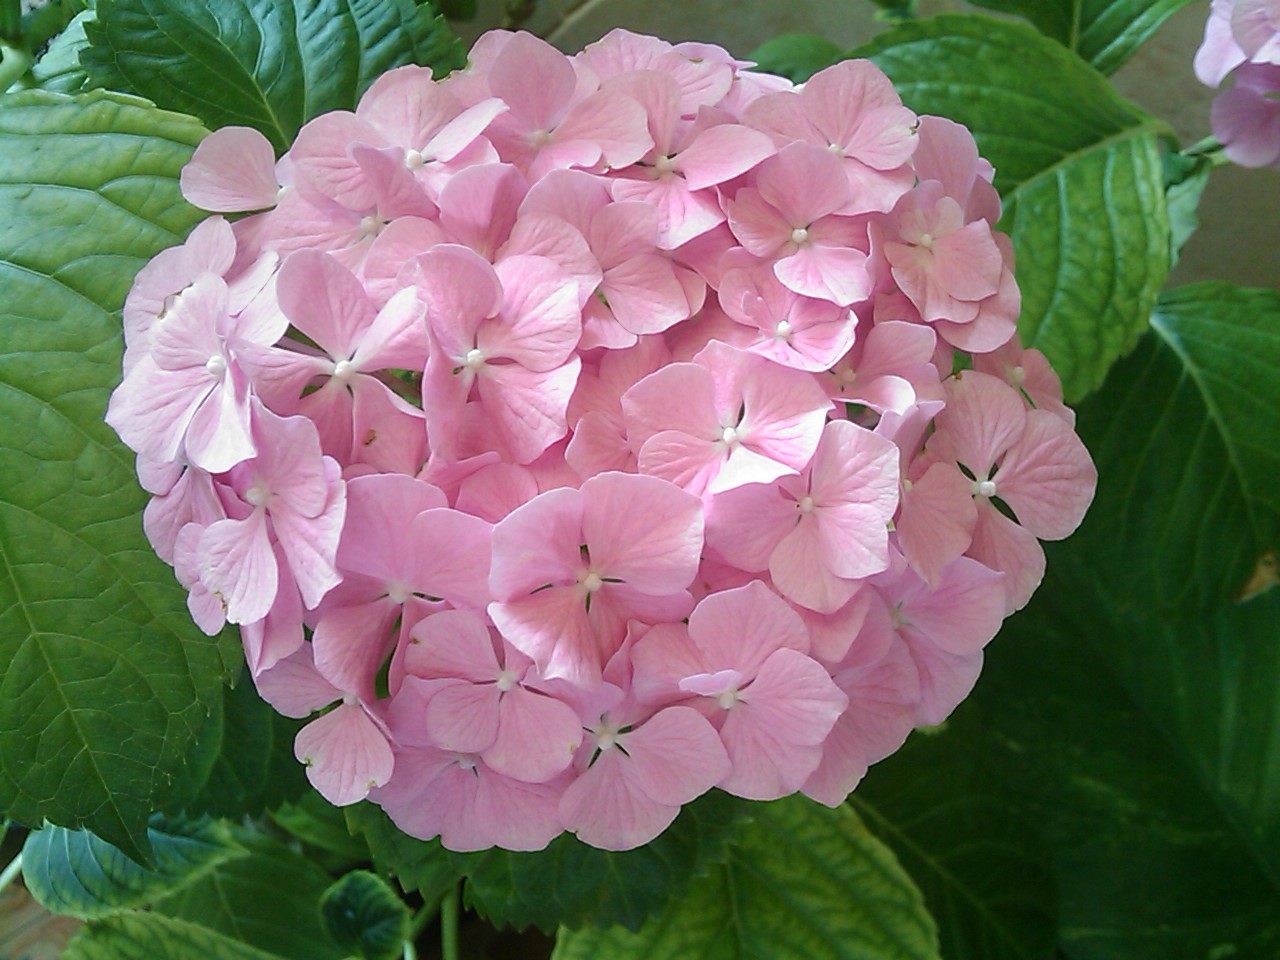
<point>979,862</point>
<point>1146,754</point>
<point>269,64</point>
<point>269,899</point>
<point>148,936</point>
<point>1079,170</point>
<point>1104,32</point>
<point>803,883</point>
<point>73,872</point>
<point>106,682</point>
<point>1187,438</point>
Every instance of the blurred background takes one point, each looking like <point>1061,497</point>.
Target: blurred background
<point>1239,239</point>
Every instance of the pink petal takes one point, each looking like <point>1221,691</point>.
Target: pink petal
<point>345,753</point>
<point>800,572</point>
<point>238,565</point>
<point>459,574</point>
<point>721,153</point>
<point>674,756</point>
<point>233,170</point>
<point>463,717</point>
<point>452,644</point>
<point>937,519</point>
<point>773,732</point>
<point>642,530</point>
<point>1003,545</point>
<point>537,544</point>
<point>828,273</point>
<point>529,407</point>
<point>551,627</point>
<point>1047,477</point>
<point>537,736</point>
<point>742,627</point>
<point>540,324</point>
<point>607,809</point>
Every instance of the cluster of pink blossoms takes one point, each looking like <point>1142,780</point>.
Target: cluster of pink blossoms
<point>577,434</point>
<point>1242,40</point>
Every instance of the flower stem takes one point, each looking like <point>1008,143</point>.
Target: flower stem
<point>449,908</point>
<point>10,872</point>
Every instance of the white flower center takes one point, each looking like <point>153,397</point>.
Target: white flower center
<point>730,436</point>
<point>1017,375</point>
<point>805,504</point>
<point>664,165</point>
<point>607,738</point>
<point>507,679</point>
<point>474,359</point>
<point>592,582</point>
<point>466,763</point>
<point>984,488</point>
<point>414,160</point>
<point>371,226</point>
<point>836,148</point>
<point>782,330</point>
<point>728,699</point>
<point>257,495</point>
<point>343,371</point>
<point>539,138</point>
<point>926,240</point>
<point>799,235</point>
<point>216,366</point>
<point>397,592</point>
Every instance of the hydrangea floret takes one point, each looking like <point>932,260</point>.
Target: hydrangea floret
<point>1242,41</point>
<point>572,436</point>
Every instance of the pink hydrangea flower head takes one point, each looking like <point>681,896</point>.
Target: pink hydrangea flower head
<point>574,435</point>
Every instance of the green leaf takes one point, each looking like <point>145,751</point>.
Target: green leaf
<point>1145,752</point>
<point>317,822</point>
<point>418,866</point>
<point>796,56</point>
<point>980,864</point>
<point>59,69</point>
<point>147,936</point>
<point>1079,170</point>
<point>803,883</point>
<point>1185,177</point>
<point>1186,435</point>
<point>244,762</point>
<point>365,917</point>
<point>106,682</point>
<point>269,899</point>
<point>73,872</point>
<point>1104,32</point>
<point>268,64</point>
<point>570,883</point>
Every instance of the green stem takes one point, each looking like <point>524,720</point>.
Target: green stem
<point>11,872</point>
<point>449,908</point>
